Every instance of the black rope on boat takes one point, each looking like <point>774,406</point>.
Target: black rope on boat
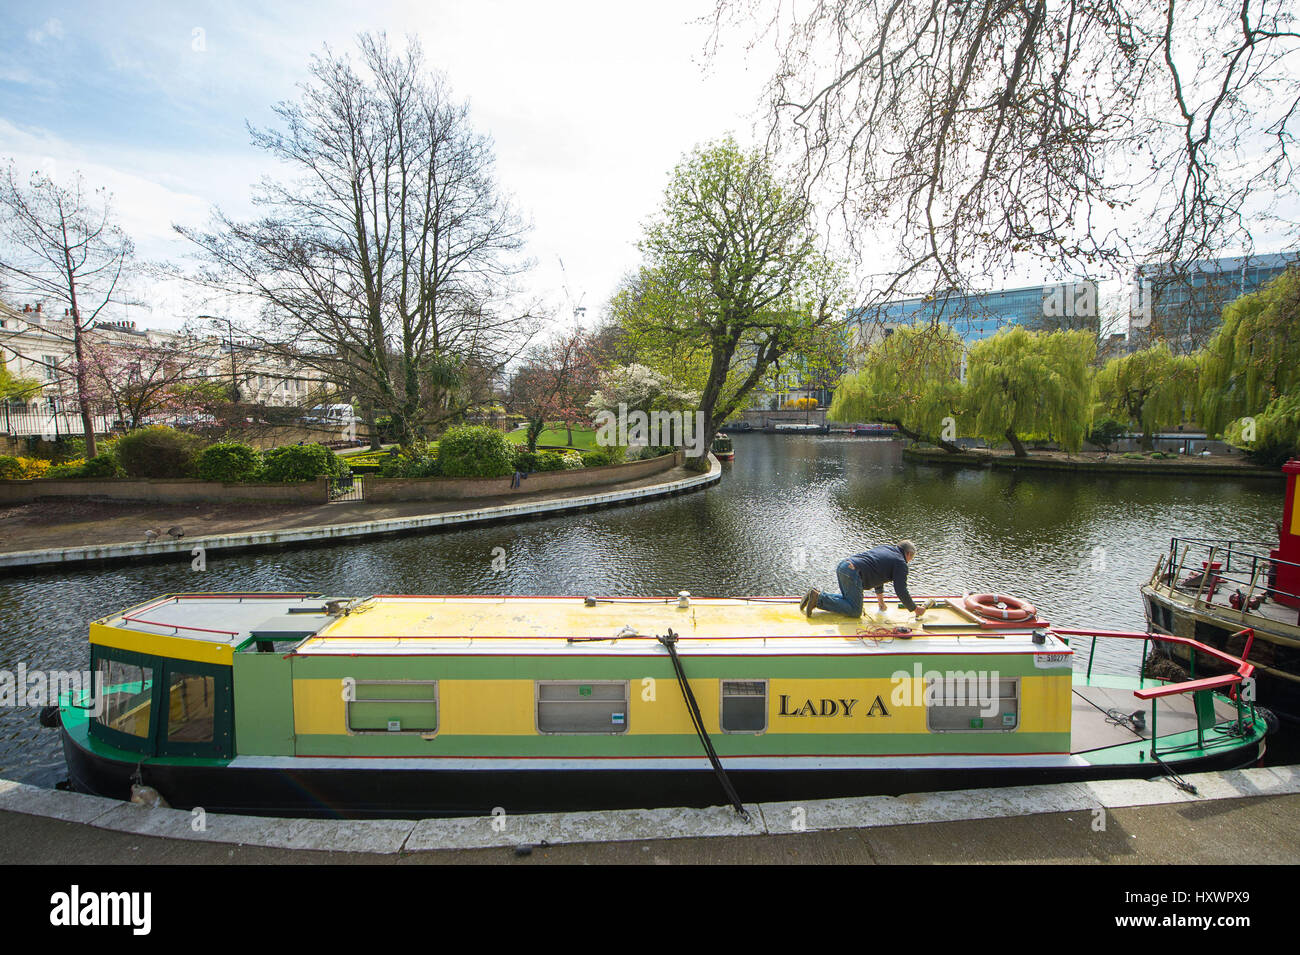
<point>1134,722</point>
<point>1177,780</point>
<point>670,643</point>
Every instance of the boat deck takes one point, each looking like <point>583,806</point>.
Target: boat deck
<point>1092,732</point>
<point>631,625</point>
<point>430,624</point>
<point>225,619</point>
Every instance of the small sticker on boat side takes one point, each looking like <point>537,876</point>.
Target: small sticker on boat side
<point>1050,661</point>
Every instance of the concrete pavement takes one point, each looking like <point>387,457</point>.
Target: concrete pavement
<point>1246,816</point>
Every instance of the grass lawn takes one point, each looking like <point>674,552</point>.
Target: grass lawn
<point>584,439</point>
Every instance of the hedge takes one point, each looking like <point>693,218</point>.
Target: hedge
<point>158,452</point>
<point>300,462</point>
<point>231,462</point>
<point>476,451</point>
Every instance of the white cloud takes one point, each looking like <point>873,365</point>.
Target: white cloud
<point>51,29</point>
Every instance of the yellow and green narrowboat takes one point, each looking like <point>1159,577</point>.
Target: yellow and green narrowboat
<point>302,704</point>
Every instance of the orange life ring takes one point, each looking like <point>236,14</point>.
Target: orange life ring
<point>987,605</point>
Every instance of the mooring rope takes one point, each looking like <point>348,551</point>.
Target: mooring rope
<point>669,641</point>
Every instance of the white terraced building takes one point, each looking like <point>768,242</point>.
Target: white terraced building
<point>37,344</point>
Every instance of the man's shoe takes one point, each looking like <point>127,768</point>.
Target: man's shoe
<point>803,602</point>
<point>810,602</point>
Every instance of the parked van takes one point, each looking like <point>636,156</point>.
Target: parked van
<point>335,415</point>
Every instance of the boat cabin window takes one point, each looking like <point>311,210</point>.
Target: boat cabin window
<point>191,707</point>
<point>393,706</point>
<point>128,697</point>
<point>972,702</point>
<point>744,706</point>
<point>163,707</point>
<point>574,706</point>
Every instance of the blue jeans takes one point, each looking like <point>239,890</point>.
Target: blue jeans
<point>849,601</point>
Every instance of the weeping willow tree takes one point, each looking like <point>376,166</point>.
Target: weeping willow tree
<point>1272,436</point>
<point>911,380</point>
<point>1254,358</point>
<point>1152,388</point>
<point>1023,384</point>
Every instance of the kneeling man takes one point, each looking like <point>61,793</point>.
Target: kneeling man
<point>870,570</point>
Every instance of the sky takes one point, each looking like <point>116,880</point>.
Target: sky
<point>590,106</point>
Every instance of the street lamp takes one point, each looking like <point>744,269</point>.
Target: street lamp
<point>230,346</point>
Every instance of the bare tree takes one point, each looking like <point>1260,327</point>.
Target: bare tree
<point>387,263</point>
<point>971,135</point>
<point>59,244</point>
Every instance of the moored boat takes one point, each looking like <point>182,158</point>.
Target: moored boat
<point>1239,596</point>
<point>723,449</point>
<point>299,704</point>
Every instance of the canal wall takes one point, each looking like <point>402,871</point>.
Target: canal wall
<point>378,490</point>
<point>564,501</point>
<point>92,817</point>
<point>158,490</point>
<point>382,490</point>
<point>1113,466</point>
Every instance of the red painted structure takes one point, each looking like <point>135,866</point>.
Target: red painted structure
<point>1288,548</point>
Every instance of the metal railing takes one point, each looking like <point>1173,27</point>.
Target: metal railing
<point>1213,563</point>
<point>25,424</point>
<point>1201,690</point>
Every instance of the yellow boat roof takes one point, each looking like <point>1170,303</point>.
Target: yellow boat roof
<point>394,624</point>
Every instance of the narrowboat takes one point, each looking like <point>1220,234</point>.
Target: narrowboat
<point>1239,596</point>
<point>723,449</point>
<point>306,705</point>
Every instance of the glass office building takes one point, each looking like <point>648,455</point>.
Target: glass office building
<point>1184,305</point>
<point>977,315</point>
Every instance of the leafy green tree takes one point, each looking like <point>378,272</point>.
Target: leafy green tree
<point>1271,437</point>
<point>732,274</point>
<point>1151,388</point>
<point>1023,384</point>
<point>910,379</point>
<point>12,386</point>
<point>1254,358</point>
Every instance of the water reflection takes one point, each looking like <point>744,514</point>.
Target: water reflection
<point>788,509</point>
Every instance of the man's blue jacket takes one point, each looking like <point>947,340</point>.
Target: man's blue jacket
<point>882,565</point>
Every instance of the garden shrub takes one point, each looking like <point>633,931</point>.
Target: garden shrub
<point>572,461</point>
<point>598,457</point>
<point>229,461</point>
<point>34,467</point>
<point>158,452</point>
<point>401,465</point>
<point>101,466</point>
<point>1106,432</point>
<point>300,462</point>
<point>10,468</point>
<point>549,461</point>
<point>476,451</point>
<point>68,469</point>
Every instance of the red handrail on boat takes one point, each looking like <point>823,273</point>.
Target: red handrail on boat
<point>1191,686</point>
<point>180,626</point>
<point>1244,669</point>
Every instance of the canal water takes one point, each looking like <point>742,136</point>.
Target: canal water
<point>788,509</point>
